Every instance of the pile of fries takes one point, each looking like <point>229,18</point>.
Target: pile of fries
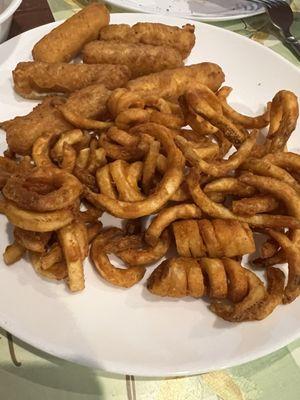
<point>152,151</point>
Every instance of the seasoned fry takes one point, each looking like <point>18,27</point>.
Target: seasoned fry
<point>141,59</point>
<point>73,245</point>
<point>182,276</point>
<point>284,114</point>
<point>254,205</point>
<point>242,311</point>
<point>166,217</point>
<point>229,185</point>
<point>13,253</point>
<point>292,254</point>
<point>189,241</point>
<point>63,190</point>
<point>36,221</point>
<point>150,165</point>
<point>219,211</point>
<point>65,42</point>
<point>116,276</point>
<point>197,99</point>
<point>217,168</point>
<point>33,241</point>
<point>247,122</point>
<point>148,255</point>
<point>215,238</point>
<point>171,180</point>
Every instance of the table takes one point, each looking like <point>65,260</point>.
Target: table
<point>29,374</point>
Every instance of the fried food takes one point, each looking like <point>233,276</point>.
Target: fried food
<point>212,277</point>
<point>146,255</point>
<point>74,242</point>
<point>182,39</point>
<point>214,238</point>
<point>217,168</point>
<point>101,246</point>
<point>171,84</point>
<point>33,241</point>
<point>13,253</point>
<point>292,253</point>
<point>7,168</point>
<point>168,185</point>
<point>65,42</point>
<point>266,168</point>
<point>258,304</point>
<point>43,190</point>
<point>34,79</point>
<point>260,121</point>
<point>22,132</point>
<point>254,205</point>
<point>85,106</point>
<point>284,114</point>
<point>229,185</point>
<point>162,144</point>
<point>36,221</point>
<point>165,218</point>
<point>200,101</point>
<point>141,59</point>
<point>219,211</point>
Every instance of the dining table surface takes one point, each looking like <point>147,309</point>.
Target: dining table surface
<point>29,374</point>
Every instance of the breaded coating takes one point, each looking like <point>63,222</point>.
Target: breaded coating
<point>89,102</point>
<point>31,79</point>
<point>181,39</point>
<point>174,83</point>
<point>22,132</point>
<point>141,59</point>
<point>65,42</point>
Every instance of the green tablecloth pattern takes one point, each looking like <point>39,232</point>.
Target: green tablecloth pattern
<point>29,374</point>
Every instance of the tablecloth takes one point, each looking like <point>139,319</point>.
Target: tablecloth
<point>29,374</point>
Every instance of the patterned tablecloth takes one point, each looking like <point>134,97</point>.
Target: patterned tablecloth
<point>29,374</point>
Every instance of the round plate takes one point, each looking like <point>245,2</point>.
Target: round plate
<point>130,330</point>
<point>204,10</point>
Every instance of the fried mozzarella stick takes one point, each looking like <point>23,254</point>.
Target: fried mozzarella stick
<point>63,43</point>
<point>181,39</point>
<point>86,104</point>
<point>174,83</point>
<point>22,132</point>
<point>33,79</point>
<point>141,59</point>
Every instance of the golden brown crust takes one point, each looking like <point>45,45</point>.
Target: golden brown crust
<point>174,83</point>
<point>63,43</point>
<point>182,39</point>
<point>141,59</point>
<point>21,132</point>
<point>33,79</point>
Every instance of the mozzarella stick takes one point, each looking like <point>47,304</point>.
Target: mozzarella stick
<point>171,84</point>
<point>181,39</point>
<point>22,132</point>
<point>33,79</point>
<point>65,42</point>
<point>141,59</point>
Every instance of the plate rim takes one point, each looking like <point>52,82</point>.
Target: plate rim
<point>197,17</point>
<point>12,327</point>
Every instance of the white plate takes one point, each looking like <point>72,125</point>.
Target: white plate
<point>204,10</point>
<point>131,331</point>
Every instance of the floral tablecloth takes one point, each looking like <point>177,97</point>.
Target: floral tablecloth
<point>29,374</point>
